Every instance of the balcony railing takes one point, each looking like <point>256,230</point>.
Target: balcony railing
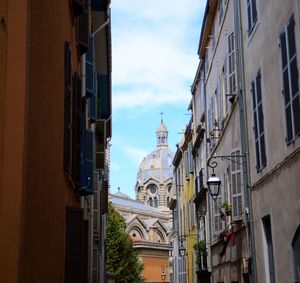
<point>202,259</point>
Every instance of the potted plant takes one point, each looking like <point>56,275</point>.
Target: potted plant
<point>227,208</point>
<point>211,133</point>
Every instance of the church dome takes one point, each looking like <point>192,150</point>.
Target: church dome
<point>156,165</point>
<point>154,177</point>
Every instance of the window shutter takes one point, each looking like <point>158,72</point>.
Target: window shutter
<point>76,130</point>
<point>290,80</point>
<point>103,90</point>
<point>91,81</point>
<point>104,197</point>
<point>76,247</point>
<point>83,31</point>
<point>186,164</point>
<point>67,108</point>
<point>89,143</point>
<point>191,167</point>
<point>218,222</point>
<point>78,6</point>
<point>100,145</point>
<point>236,187</point>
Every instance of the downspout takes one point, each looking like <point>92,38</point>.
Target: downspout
<point>238,28</point>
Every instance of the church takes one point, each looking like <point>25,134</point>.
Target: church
<point>148,218</point>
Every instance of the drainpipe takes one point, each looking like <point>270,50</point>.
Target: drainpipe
<point>238,29</point>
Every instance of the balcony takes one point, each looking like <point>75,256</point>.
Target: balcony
<point>199,186</point>
<point>203,275</point>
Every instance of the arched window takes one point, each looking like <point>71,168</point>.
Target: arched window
<point>296,254</point>
<point>155,202</point>
<point>168,201</point>
<point>150,202</point>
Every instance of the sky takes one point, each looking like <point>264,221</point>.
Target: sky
<point>154,61</point>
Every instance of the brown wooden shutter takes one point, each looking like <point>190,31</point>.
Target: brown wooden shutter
<point>67,108</point>
<point>76,247</point>
<point>76,131</point>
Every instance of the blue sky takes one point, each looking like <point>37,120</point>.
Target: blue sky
<point>154,60</point>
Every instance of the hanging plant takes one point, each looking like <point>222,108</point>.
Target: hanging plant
<point>227,208</point>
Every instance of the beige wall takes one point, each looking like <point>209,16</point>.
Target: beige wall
<point>276,187</point>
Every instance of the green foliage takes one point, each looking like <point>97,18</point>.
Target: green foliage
<point>122,260</point>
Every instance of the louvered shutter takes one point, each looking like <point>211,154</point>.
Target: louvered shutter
<point>76,130</point>
<point>83,31</point>
<point>100,144</point>
<point>76,247</point>
<point>191,165</point>
<point>294,75</point>
<point>236,186</point>
<point>91,81</point>
<point>103,90</point>
<point>186,164</point>
<point>89,143</point>
<point>104,197</point>
<point>290,80</point>
<point>67,108</point>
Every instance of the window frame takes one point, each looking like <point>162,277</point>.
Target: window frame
<point>250,19</point>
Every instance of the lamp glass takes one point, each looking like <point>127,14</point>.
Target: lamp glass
<point>214,184</point>
<point>163,276</point>
<point>182,251</point>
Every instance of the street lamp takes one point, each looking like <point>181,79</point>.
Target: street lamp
<point>214,184</point>
<point>213,181</point>
<point>182,250</point>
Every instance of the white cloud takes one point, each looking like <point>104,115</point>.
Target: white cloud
<point>153,61</point>
<point>135,154</point>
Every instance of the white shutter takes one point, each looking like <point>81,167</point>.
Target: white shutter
<point>236,186</point>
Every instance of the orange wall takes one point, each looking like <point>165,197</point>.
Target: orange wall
<point>34,191</point>
<point>13,92</point>
<point>152,268</point>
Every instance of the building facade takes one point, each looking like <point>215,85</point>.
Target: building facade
<point>50,124</point>
<point>272,49</point>
<point>151,232</point>
<point>245,106</point>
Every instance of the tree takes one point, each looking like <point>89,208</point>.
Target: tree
<point>122,260</point>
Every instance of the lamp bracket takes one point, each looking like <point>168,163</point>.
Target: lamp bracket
<point>232,158</point>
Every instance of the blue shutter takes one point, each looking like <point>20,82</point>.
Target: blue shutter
<point>91,81</point>
<point>103,97</point>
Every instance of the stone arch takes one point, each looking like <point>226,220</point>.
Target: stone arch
<point>137,231</point>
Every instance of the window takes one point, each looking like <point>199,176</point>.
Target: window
<point>236,186</point>
<point>218,222</point>
<point>150,202</point>
<point>68,109</point>
<point>191,163</point>
<point>231,64</point>
<point>220,8</point>
<point>186,164</point>
<point>213,39</point>
<point>76,245</point>
<point>211,121</point>
<point>268,250</point>
<point>296,254</point>
<point>252,14</point>
<point>258,121</point>
<point>155,202</point>
<point>153,189</point>
<point>225,84</point>
<point>290,79</point>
